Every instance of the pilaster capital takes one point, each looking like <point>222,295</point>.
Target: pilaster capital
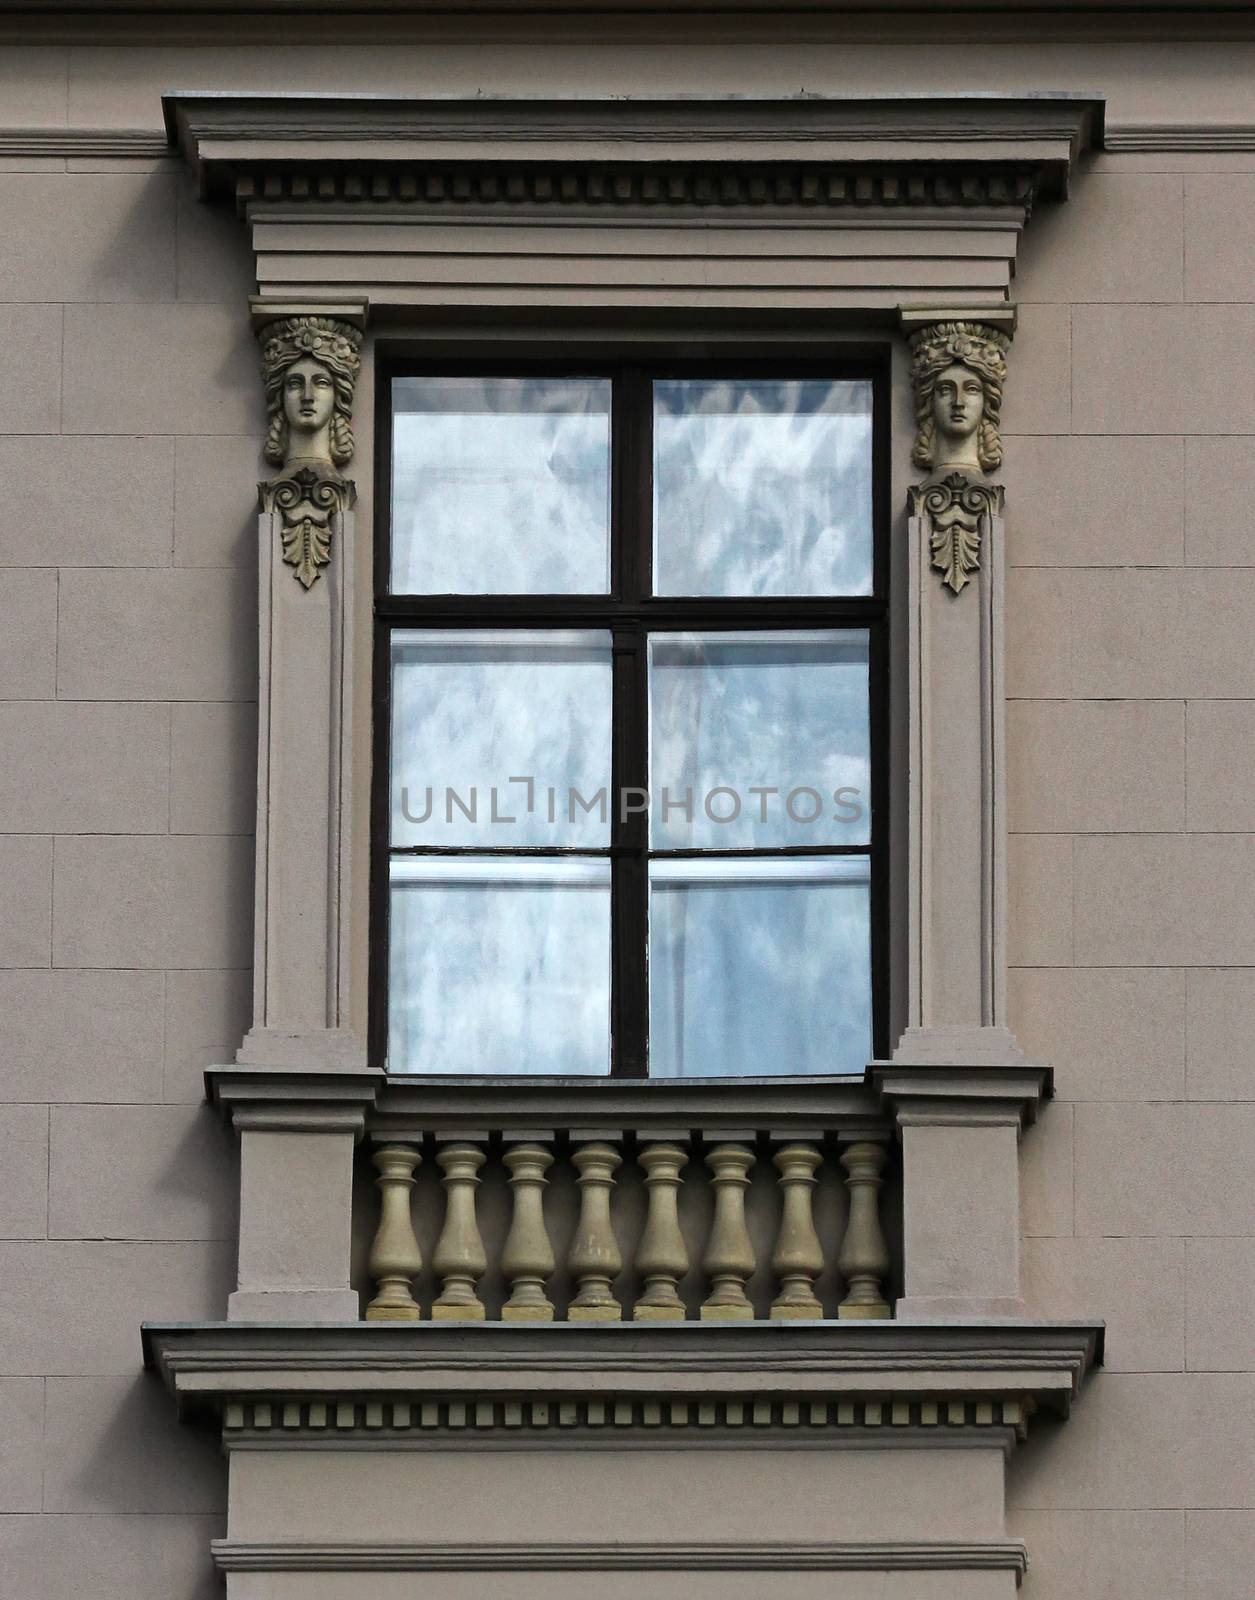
<point>310,360</point>
<point>958,1094</point>
<point>958,372</point>
<point>284,1101</point>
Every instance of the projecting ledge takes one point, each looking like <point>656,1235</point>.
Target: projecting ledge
<point>404,1384</point>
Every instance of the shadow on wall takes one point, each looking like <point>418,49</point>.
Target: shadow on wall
<point>114,1444</point>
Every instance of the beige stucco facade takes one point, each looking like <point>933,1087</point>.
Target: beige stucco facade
<point>131,424</point>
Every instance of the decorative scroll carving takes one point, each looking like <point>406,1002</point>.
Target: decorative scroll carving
<point>309,367</point>
<point>956,513</point>
<point>958,370</point>
<point>308,506</point>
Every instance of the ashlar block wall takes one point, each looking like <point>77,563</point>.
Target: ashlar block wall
<point>129,421</point>
<point>129,427</point>
<point>1130,727</point>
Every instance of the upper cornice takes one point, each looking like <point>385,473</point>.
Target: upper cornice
<point>262,144</point>
<point>360,9</point>
<point>381,22</point>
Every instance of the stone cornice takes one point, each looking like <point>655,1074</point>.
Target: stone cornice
<point>150,144</point>
<point>974,1367</point>
<point>405,1108</point>
<point>654,205</point>
<point>357,10</point>
<point>790,1107</point>
<point>933,1093</point>
<point>1000,1555</point>
<point>1025,144</point>
<point>276,1100</point>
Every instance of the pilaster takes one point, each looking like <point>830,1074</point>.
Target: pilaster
<point>305,619</point>
<point>958,1084</point>
<point>299,1089</point>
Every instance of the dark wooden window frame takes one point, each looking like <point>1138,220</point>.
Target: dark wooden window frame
<point>630,613</point>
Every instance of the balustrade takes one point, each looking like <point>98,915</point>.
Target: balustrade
<point>634,1209</point>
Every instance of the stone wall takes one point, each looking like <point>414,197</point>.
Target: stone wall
<point>1131,684</point>
<point>129,421</point>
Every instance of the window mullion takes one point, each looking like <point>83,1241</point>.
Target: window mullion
<point>629,888</point>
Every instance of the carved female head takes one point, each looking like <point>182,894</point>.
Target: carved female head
<point>958,369</point>
<point>309,366</point>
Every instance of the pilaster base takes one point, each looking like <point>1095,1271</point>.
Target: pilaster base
<point>293,1305</point>
<point>958,1308</point>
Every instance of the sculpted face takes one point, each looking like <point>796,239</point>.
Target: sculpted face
<point>958,404</point>
<point>308,396</point>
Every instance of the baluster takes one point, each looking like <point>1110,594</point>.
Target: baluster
<point>864,1258</point>
<point>661,1259</point>
<point>594,1259</point>
<point>798,1258</point>
<point>459,1254</point>
<point>527,1257</point>
<point>395,1259</point>
<point>729,1258</point>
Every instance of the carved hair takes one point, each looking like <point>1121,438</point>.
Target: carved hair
<point>337,346</point>
<point>983,350</point>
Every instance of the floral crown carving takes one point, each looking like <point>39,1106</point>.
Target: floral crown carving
<point>972,344</point>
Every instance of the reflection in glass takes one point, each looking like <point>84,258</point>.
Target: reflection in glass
<point>499,965</point>
<point>474,709</point>
<point>779,712</point>
<point>500,485</point>
<point>762,488</point>
<point>759,967</point>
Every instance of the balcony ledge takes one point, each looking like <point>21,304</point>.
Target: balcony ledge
<point>407,1385</point>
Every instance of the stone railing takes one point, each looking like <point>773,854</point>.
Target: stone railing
<point>609,1201</point>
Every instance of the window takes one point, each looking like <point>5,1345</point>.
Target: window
<point>630,668</point>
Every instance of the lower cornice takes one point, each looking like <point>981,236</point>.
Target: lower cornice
<point>996,1555</point>
<point>425,1385</point>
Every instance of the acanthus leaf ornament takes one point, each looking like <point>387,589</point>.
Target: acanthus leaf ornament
<point>306,504</point>
<point>957,512</point>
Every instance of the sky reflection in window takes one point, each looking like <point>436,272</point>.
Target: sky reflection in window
<point>499,965</point>
<point>785,712</point>
<point>759,967</point>
<point>762,488</point>
<point>501,486</point>
<point>473,709</point>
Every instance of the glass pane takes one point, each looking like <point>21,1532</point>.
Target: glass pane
<point>758,740</point>
<point>499,965</point>
<point>762,488</point>
<point>500,485</point>
<point>501,739</point>
<point>759,967</point>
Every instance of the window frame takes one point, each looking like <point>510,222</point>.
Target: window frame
<point>630,613</point>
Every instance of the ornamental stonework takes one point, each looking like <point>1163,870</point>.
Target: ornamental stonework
<point>310,366</point>
<point>958,371</point>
